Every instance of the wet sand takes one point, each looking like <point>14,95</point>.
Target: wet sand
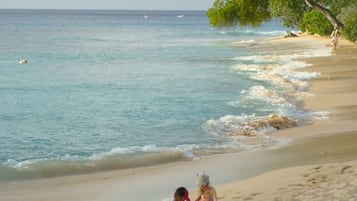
<point>322,156</point>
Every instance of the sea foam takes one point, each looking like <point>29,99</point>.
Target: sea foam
<point>290,88</point>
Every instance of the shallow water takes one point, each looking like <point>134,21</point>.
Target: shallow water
<point>119,89</point>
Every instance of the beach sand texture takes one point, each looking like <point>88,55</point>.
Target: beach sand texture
<point>335,92</point>
<point>332,181</point>
<point>320,164</point>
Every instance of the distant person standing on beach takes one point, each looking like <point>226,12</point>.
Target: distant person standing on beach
<point>206,192</point>
<point>334,39</point>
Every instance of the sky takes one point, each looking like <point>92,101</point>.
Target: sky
<point>109,4</point>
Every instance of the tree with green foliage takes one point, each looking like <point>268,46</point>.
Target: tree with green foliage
<point>290,12</point>
<point>314,16</point>
<point>315,23</point>
<point>350,29</point>
<point>241,12</point>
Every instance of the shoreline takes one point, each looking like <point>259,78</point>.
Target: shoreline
<point>324,178</point>
<point>326,141</point>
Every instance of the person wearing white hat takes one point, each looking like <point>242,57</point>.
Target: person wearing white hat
<point>206,192</point>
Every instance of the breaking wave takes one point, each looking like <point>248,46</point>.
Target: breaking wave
<point>285,92</point>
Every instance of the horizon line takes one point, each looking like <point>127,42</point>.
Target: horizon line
<point>96,9</point>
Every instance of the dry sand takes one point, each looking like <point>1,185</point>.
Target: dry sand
<point>320,164</point>
<point>332,181</point>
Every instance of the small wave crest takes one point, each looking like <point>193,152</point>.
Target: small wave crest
<point>248,125</point>
<point>244,43</point>
<point>249,32</point>
<point>251,130</point>
<point>117,158</point>
<point>285,104</point>
<point>290,85</point>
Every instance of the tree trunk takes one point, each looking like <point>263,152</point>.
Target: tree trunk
<point>334,21</point>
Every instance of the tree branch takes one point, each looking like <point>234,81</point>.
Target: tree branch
<point>334,21</point>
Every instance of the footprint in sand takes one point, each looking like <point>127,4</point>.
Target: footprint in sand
<point>255,194</point>
<point>317,179</point>
<point>295,185</point>
<point>282,188</point>
<point>318,167</point>
<point>345,168</point>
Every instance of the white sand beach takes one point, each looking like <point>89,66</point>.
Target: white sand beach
<point>319,164</point>
<point>331,140</point>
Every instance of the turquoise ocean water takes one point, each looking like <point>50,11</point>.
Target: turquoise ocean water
<point>106,90</point>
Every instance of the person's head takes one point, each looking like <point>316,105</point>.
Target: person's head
<point>202,179</point>
<point>181,194</point>
<point>335,26</point>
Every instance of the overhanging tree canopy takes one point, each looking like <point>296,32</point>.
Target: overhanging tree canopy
<point>293,13</point>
